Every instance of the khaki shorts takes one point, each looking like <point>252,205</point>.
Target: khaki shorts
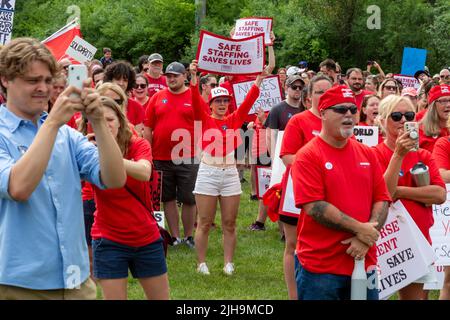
<point>87,291</point>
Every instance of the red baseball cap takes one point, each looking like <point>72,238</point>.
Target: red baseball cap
<point>336,95</point>
<point>438,91</point>
<point>218,92</point>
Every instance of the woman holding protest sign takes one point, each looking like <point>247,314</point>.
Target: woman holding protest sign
<point>125,234</point>
<point>397,158</point>
<point>217,178</point>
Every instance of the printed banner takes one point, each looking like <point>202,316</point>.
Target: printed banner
<point>403,256</point>
<point>6,20</point>
<point>263,175</point>
<point>367,135</point>
<point>247,27</point>
<point>288,207</point>
<point>156,189</point>
<point>278,167</point>
<point>407,81</point>
<point>220,55</point>
<point>270,93</point>
<point>440,231</point>
<point>81,50</point>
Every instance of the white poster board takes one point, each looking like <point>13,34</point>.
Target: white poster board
<point>263,175</point>
<point>217,54</point>
<point>159,216</point>
<point>408,81</point>
<point>403,256</point>
<point>270,93</point>
<point>81,50</point>
<point>6,20</point>
<point>247,27</point>
<point>440,231</point>
<point>367,135</point>
<point>288,204</point>
<point>278,167</point>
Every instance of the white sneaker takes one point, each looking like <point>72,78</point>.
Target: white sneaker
<point>229,269</point>
<point>203,268</point>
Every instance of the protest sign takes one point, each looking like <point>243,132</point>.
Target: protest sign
<point>247,27</point>
<point>156,189</point>
<point>413,60</point>
<point>439,283</point>
<point>81,50</point>
<point>288,207</point>
<point>263,175</point>
<point>270,93</point>
<point>367,135</point>
<point>59,41</point>
<point>402,255</point>
<point>217,54</point>
<point>407,81</point>
<point>278,166</point>
<point>6,20</point>
<point>159,216</point>
<point>440,231</point>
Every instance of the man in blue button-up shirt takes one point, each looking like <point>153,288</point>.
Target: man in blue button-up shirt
<point>43,253</point>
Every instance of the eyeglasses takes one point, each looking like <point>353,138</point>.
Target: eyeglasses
<point>443,101</point>
<point>140,86</point>
<point>397,116</point>
<point>297,87</point>
<point>222,101</point>
<point>390,88</point>
<point>445,77</point>
<point>212,85</point>
<point>343,109</point>
<point>118,101</point>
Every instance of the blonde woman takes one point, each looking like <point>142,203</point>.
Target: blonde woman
<point>387,87</point>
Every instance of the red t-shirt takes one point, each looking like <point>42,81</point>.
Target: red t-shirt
<point>348,178</point>
<point>120,217</point>
<point>422,215</point>
<point>155,85</point>
<point>135,112</point>
<point>427,142</point>
<point>302,128</point>
<point>73,121</point>
<point>421,114</point>
<point>166,113</point>
<point>360,97</point>
<point>216,141</point>
<point>441,153</point>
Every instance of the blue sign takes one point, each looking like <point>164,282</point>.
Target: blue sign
<point>413,60</point>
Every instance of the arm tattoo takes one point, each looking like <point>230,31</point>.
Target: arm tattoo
<point>380,214</point>
<point>318,214</point>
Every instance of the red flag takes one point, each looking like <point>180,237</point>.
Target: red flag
<point>58,42</point>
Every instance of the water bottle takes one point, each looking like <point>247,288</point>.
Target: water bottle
<point>359,281</point>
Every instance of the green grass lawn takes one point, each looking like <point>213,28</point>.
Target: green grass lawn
<point>258,261</point>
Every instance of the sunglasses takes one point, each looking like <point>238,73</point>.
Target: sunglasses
<point>397,116</point>
<point>391,88</point>
<point>140,86</point>
<point>445,77</point>
<point>212,85</point>
<point>118,101</point>
<point>344,109</point>
<point>221,101</point>
<point>297,87</point>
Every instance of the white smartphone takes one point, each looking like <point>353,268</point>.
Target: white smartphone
<point>77,74</point>
<point>413,129</point>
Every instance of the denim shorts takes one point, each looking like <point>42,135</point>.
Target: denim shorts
<point>217,181</point>
<point>112,260</point>
<point>325,286</point>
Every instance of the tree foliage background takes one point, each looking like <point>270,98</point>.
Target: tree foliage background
<point>310,30</point>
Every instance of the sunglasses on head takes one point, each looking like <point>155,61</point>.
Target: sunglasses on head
<point>140,86</point>
<point>343,109</point>
<point>297,87</point>
<point>397,116</point>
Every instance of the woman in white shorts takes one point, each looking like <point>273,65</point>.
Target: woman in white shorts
<point>217,177</point>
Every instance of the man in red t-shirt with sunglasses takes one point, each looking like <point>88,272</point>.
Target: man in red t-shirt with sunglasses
<point>344,202</point>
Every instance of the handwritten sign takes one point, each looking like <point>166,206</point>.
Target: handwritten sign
<point>156,189</point>
<point>159,217</point>
<point>217,54</point>
<point>247,27</point>
<point>403,256</point>
<point>407,81</point>
<point>6,20</point>
<point>440,231</point>
<point>81,50</point>
<point>263,175</point>
<point>367,135</point>
<point>288,207</point>
<point>278,166</point>
<point>270,93</point>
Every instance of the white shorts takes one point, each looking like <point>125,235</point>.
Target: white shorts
<point>216,181</point>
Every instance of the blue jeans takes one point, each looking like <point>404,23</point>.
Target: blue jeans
<point>324,286</point>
